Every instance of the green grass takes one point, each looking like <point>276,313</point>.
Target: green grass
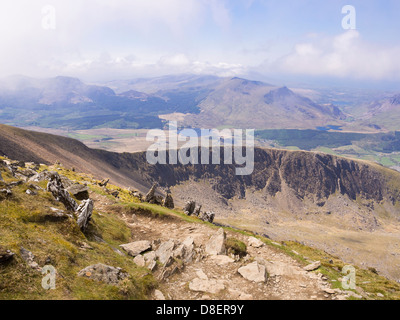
<point>23,224</point>
<point>236,247</point>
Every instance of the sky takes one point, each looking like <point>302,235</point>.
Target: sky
<point>99,40</point>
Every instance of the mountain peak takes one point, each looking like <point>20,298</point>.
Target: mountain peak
<point>279,94</point>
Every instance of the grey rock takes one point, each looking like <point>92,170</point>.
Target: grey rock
<point>313,266</point>
<point>168,202</point>
<point>103,273</point>
<point>254,242</point>
<point>56,187</point>
<point>79,191</point>
<point>216,244</point>
<point>139,260</point>
<point>84,212</point>
<point>253,272</point>
<point>189,208</point>
<point>197,211</point>
<point>165,252</point>
<point>150,196</point>
<point>208,216</point>
<point>136,248</point>
<point>221,260</point>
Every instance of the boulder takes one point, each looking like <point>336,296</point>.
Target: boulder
<point>253,272</point>
<point>254,242</point>
<point>168,202</point>
<point>103,273</point>
<point>165,252</point>
<point>208,216</point>
<point>189,208</point>
<point>188,244</point>
<point>197,211</point>
<point>150,196</point>
<point>150,260</point>
<point>79,191</point>
<point>84,212</point>
<point>139,260</point>
<point>216,244</point>
<point>136,248</point>
<point>313,266</point>
<point>56,187</point>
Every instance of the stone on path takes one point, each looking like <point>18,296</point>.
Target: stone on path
<point>253,272</point>
<point>136,248</point>
<point>216,244</point>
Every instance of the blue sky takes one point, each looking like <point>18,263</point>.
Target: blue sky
<point>102,40</point>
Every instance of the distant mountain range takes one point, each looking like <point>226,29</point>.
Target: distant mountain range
<point>205,102</point>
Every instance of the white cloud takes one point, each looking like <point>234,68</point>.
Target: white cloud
<point>345,55</point>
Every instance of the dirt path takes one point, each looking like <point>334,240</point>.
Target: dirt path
<point>286,280</point>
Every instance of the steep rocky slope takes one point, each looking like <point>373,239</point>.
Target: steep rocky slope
<point>354,205</point>
<point>134,250</point>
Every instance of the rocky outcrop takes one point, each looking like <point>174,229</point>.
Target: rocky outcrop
<point>79,191</point>
<point>208,216</point>
<point>56,187</point>
<point>216,244</point>
<point>103,273</point>
<point>189,208</point>
<point>168,201</point>
<point>165,252</point>
<point>197,211</point>
<point>136,248</point>
<point>305,174</point>
<point>150,196</point>
<point>84,212</point>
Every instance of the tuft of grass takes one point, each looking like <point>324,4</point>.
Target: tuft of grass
<point>236,247</point>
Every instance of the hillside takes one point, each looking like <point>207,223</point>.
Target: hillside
<point>181,257</point>
<point>287,197</point>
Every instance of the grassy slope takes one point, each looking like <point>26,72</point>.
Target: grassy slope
<point>21,224</point>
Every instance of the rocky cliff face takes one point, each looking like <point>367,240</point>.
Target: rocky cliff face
<point>307,175</point>
<point>302,175</point>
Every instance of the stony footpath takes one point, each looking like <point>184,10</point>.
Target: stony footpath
<point>192,261</point>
